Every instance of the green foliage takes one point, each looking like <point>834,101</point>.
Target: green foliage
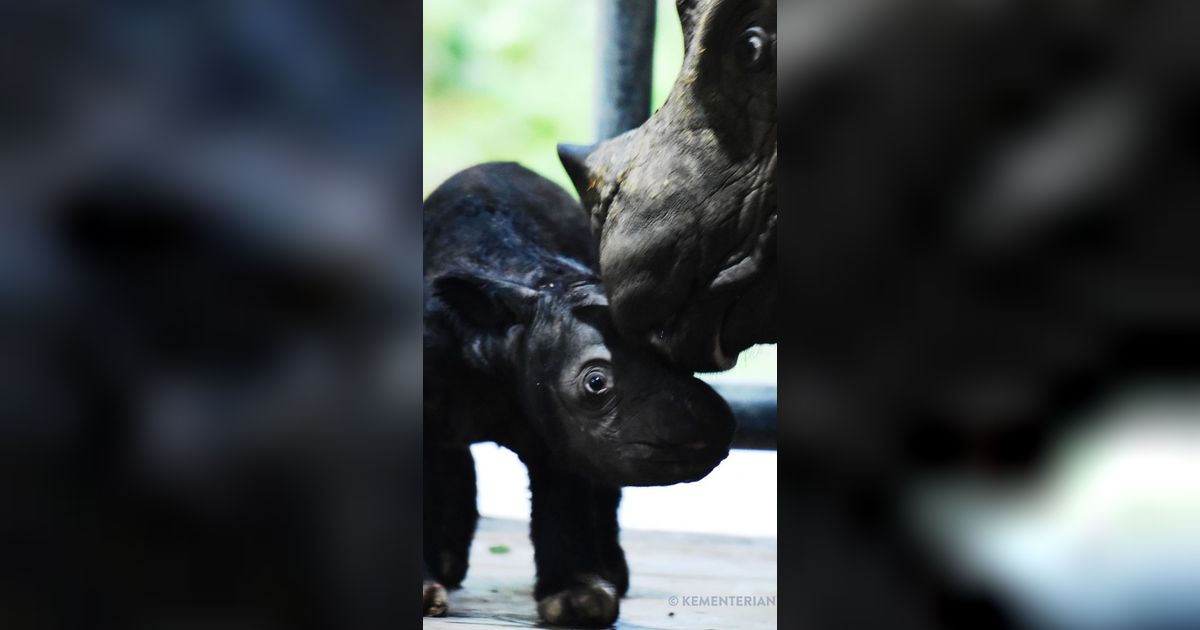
<point>509,79</point>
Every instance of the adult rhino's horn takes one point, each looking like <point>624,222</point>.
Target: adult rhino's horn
<point>574,160</point>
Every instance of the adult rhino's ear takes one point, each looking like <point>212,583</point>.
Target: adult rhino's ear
<point>593,170</point>
<point>486,303</point>
<point>574,160</point>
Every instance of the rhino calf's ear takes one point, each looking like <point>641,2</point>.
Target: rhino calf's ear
<point>486,303</point>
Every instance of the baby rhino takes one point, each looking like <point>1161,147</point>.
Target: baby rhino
<point>520,349</point>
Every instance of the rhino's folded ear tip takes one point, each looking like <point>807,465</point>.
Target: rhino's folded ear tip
<point>486,301</point>
<point>574,160</point>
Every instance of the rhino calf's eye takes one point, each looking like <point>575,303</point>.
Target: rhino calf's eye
<point>596,382</point>
<point>751,48</point>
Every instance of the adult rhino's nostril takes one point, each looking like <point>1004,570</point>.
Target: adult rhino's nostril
<point>696,446</point>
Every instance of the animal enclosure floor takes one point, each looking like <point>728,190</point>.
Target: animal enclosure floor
<point>670,573</point>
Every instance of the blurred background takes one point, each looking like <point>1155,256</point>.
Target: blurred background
<point>209,314</point>
<point>990,271</point>
<point>509,80</point>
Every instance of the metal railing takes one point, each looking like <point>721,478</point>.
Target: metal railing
<point>625,66</point>
<point>755,406</point>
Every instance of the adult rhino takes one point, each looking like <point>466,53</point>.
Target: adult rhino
<point>684,205</point>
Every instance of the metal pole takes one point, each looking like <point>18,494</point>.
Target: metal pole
<point>626,62</point>
<point>754,406</point>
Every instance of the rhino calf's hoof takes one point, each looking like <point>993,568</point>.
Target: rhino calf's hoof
<point>593,603</point>
<point>434,601</point>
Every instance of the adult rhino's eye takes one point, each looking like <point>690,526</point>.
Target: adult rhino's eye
<point>752,48</point>
<point>596,382</point>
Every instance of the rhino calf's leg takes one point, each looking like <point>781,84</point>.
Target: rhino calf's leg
<point>449,519</point>
<point>459,515</point>
<point>612,557</point>
<point>574,582</point>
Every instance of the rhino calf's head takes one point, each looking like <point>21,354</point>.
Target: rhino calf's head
<point>612,410</point>
<point>684,206</point>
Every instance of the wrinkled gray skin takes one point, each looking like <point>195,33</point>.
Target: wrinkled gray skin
<point>684,206</point>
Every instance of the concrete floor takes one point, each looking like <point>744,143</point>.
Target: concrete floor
<point>669,572</point>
